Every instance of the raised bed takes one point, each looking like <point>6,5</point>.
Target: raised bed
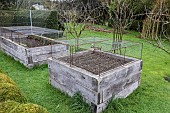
<point>26,30</point>
<point>32,50</point>
<point>118,76</point>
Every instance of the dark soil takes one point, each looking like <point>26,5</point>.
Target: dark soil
<point>33,41</point>
<point>96,62</point>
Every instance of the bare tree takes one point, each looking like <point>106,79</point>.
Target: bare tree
<point>76,19</point>
<point>120,16</point>
<point>157,24</point>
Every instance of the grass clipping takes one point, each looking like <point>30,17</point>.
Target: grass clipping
<point>15,107</point>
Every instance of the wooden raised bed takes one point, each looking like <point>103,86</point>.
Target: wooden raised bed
<point>32,50</point>
<point>114,81</point>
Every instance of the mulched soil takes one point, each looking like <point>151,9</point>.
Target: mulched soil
<point>33,42</point>
<point>95,62</point>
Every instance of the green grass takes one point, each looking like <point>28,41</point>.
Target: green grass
<point>153,95</point>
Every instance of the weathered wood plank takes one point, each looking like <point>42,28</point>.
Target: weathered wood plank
<point>117,83</point>
<point>47,49</point>
<point>12,45</point>
<point>73,87</point>
<point>116,87</point>
<point>31,56</point>
<point>14,53</point>
<point>44,57</point>
<point>127,91</point>
<point>120,73</point>
<point>79,76</point>
<point>60,87</point>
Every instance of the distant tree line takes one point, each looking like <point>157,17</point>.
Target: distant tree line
<point>18,4</point>
<point>151,17</point>
<point>7,4</point>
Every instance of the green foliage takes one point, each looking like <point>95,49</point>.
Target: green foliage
<point>29,108</point>
<point>53,21</point>
<point>8,106</point>
<point>7,4</point>
<point>78,104</point>
<point>5,79</point>
<point>136,25</point>
<point>75,29</point>
<point>140,6</point>
<point>23,17</point>
<point>151,97</point>
<point>6,18</point>
<point>114,105</point>
<point>10,92</point>
<point>15,107</point>
<point>11,99</point>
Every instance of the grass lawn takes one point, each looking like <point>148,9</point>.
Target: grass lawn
<point>153,95</point>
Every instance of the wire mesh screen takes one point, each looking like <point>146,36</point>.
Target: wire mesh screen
<point>28,22</point>
<point>98,55</point>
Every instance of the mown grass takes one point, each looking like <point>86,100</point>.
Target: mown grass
<point>153,95</point>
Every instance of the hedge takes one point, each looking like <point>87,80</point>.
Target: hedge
<point>16,107</point>
<point>13,101</point>
<point>11,92</point>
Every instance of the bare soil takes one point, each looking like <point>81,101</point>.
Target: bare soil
<point>31,41</point>
<point>98,29</point>
<point>96,62</point>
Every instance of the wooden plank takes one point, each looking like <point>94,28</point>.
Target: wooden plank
<point>127,91</point>
<point>60,87</point>
<point>71,87</point>
<point>14,53</point>
<point>115,88</point>
<point>100,107</point>
<point>16,58</point>
<point>13,45</point>
<point>80,77</point>
<point>119,73</point>
<point>46,49</point>
<point>44,57</point>
<point>40,58</point>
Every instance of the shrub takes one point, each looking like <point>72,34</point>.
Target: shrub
<point>15,107</point>
<point>8,106</point>
<point>6,18</point>
<point>11,99</point>
<point>10,92</point>
<point>53,21</point>
<point>5,79</point>
<point>23,18</point>
<point>136,25</point>
<point>30,108</point>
